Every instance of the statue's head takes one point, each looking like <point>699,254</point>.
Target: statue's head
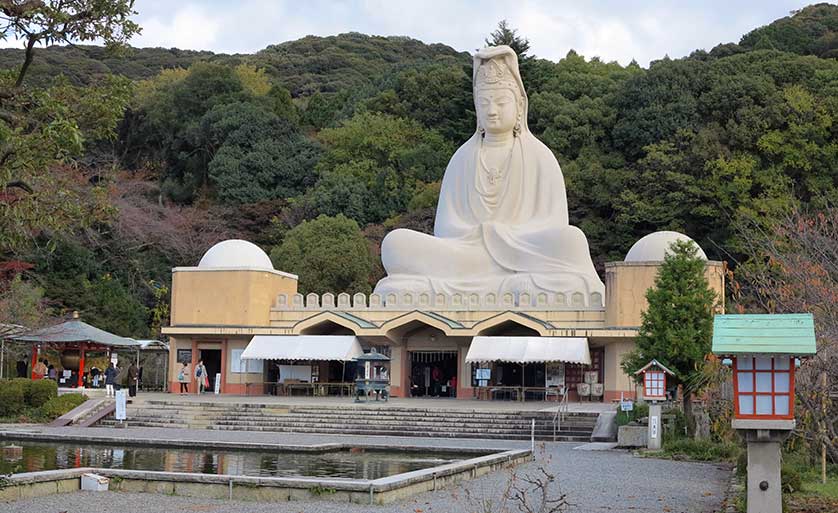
<point>499,95</point>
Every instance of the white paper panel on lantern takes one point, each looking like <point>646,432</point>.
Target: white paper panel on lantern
<point>764,405</point>
<point>746,405</point>
<point>781,405</point>
<point>763,382</point>
<point>746,381</point>
<point>781,382</point>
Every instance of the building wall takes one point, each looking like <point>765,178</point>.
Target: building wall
<point>219,297</point>
<point>238,383</point>
<point>616,381</point>
<point>626,284</point>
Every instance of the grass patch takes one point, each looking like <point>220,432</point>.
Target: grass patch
<point>700,450</point>
<point>809,494</point>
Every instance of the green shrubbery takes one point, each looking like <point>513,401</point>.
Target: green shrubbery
<point>35,400</point>
<point>59,405</point>
<point>12,397</point>
<point>40,391</point>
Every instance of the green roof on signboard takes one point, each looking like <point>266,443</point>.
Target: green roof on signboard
<point>792,334</point>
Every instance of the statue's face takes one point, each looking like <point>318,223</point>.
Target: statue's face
<point>497,110</point>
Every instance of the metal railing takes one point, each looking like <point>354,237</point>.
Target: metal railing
<point>561,411</point>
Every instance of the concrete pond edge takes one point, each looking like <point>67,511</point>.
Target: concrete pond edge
<point>269,489</point>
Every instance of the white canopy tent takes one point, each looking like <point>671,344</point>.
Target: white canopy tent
<point>529,350</point>
<point>340,348</point>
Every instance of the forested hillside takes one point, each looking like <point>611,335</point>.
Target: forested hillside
<point>117,167</point>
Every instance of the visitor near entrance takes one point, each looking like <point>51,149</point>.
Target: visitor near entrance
<point>502,220</point>
<point>183,378</point>
<point>110,378</point>
<point>201,377</point>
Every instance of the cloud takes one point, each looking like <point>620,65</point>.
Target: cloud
<point>190,27</point>
<point>614,30</point>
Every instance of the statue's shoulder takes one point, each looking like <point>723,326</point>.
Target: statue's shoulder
<point>541,149</point>
<point>465,149</point>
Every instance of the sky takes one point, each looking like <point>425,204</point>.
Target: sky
<point>613,30</point>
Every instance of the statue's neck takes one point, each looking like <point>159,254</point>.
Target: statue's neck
<point>504,139</point>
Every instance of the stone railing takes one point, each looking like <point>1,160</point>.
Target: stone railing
<point>409,301</point>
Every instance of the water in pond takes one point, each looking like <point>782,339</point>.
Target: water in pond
<point>350,463</point>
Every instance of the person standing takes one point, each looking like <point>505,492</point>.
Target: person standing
<point>39,370</point>
<point>201,377</point>
<point>183,378</point>
<point>110,377</point>
<point>133,379</point>
<point>21,368</point>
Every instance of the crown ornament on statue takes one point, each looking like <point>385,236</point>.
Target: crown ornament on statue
<point>495,74</point>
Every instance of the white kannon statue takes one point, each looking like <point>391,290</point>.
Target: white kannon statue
<point>501,222</point>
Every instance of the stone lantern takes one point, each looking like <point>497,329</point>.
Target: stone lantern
<point>373,376</point>
<point>763,350</point>
<point>654,390</point>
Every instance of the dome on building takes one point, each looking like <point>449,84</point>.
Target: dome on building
<point>654,246</point>
<point>235,253</point>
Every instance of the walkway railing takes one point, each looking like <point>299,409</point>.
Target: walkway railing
<point>561,411</point>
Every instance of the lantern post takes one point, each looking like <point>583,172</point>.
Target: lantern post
<point>764,350</point>
<point>654,391</point>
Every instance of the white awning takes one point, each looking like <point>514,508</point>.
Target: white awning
<point>529,350</point>
<point>303,347</point>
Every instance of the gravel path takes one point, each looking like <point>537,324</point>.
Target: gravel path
<point>594,481</point>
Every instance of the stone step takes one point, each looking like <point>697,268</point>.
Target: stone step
<point>430,426</point>
<point>348,425</point>
<point>582,437</point>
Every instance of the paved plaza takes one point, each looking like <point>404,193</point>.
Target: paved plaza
<point>595,481</point>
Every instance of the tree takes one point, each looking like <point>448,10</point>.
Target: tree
<point>677,326</point>
<point>794,269</point>
<point>329,254</point>
<point>505,35</point>
<point>386,157</point>
<point>65,21</point>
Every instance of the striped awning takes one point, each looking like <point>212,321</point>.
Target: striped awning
<point>340,348</point>
<point>529,350</point>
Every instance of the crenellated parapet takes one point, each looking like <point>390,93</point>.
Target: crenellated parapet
<point>449,302</point>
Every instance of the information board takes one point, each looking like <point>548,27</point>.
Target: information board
<point>121,402</point>
<point>554,374</point>
<point>627,405</point>
<point>217,383</point>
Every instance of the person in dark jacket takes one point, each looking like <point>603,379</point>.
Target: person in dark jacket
<point>110,377</point>
<point>22,368</point>
<point>133,379</point>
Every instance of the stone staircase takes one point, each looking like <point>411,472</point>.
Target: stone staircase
<point>359,420</point>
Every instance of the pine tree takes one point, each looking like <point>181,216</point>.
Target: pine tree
<point>505,35</point>
<point>677,326</point>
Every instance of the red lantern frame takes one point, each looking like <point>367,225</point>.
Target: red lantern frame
<point>754,394</point>
<point>654,381</point>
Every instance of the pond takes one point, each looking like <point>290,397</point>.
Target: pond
<point>348,463</point>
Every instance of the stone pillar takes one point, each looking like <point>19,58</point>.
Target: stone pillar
<point>764,487</point>
<point>224,366</point>
<point>764,439</point>
<point>655,434</point>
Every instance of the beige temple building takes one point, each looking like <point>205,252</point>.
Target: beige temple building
<point>234,294</point>
<point>502,301</point>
